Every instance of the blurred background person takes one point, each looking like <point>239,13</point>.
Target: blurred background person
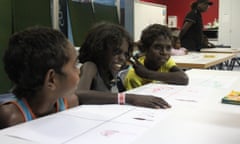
<point>191,32</point>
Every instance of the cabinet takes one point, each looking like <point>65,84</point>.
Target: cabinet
<point>229,23</point>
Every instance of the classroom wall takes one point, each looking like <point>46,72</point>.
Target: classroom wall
<point>27,13</point>
<point>156,14</point>
<point>16,15</point>
<point>5,31</point>
<point>175,8</point>
<point>83,15</point>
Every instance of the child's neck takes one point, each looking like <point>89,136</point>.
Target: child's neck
<point>41,105</point>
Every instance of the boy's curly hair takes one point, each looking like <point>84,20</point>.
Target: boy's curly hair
<point>151,33</point>
<point>30,54</point>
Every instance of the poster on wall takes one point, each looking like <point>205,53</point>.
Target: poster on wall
<point>172,21</point>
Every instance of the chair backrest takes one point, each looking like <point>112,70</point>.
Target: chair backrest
<point>7,97</point>
<point>121,76</point>
<point>223,46</point>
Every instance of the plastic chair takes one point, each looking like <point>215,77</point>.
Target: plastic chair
<point>121,76</point>
<point>7,97</point>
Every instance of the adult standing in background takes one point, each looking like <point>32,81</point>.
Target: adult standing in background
<point>191,33</point>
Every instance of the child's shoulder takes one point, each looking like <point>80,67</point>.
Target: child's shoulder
<point>10,115</point>
<point>89,67</point>
<point>88,73</point>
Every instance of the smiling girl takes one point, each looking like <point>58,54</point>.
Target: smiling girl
<point>104,53</point>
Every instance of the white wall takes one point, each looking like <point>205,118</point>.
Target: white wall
<point>146,13</point>
<point>138,15</point>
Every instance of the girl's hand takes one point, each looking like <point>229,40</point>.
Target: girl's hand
<point>147,101</point>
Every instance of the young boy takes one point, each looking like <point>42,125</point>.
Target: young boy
<point>42,64</point>
<point>156,65</point>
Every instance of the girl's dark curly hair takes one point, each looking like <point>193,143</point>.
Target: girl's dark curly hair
<point>101,39</point>
<point>101,42</point>
<point>30,54</point>
<point>151,33</point>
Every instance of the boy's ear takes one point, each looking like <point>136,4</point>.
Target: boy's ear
<point>50,79</point>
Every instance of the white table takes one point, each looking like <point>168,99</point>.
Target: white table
<point>205,122</point>
<point>197,116</point>
<point>226,50</point>
<point>221,50</point>
<point>202,60</point>
<point>12,140</point>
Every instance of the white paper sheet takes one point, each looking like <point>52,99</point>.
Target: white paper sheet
<point>159,90</point>
<point>110,133</point>
<point>53,130</point>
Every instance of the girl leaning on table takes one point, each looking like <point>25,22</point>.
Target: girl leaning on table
<point>103,54</point>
